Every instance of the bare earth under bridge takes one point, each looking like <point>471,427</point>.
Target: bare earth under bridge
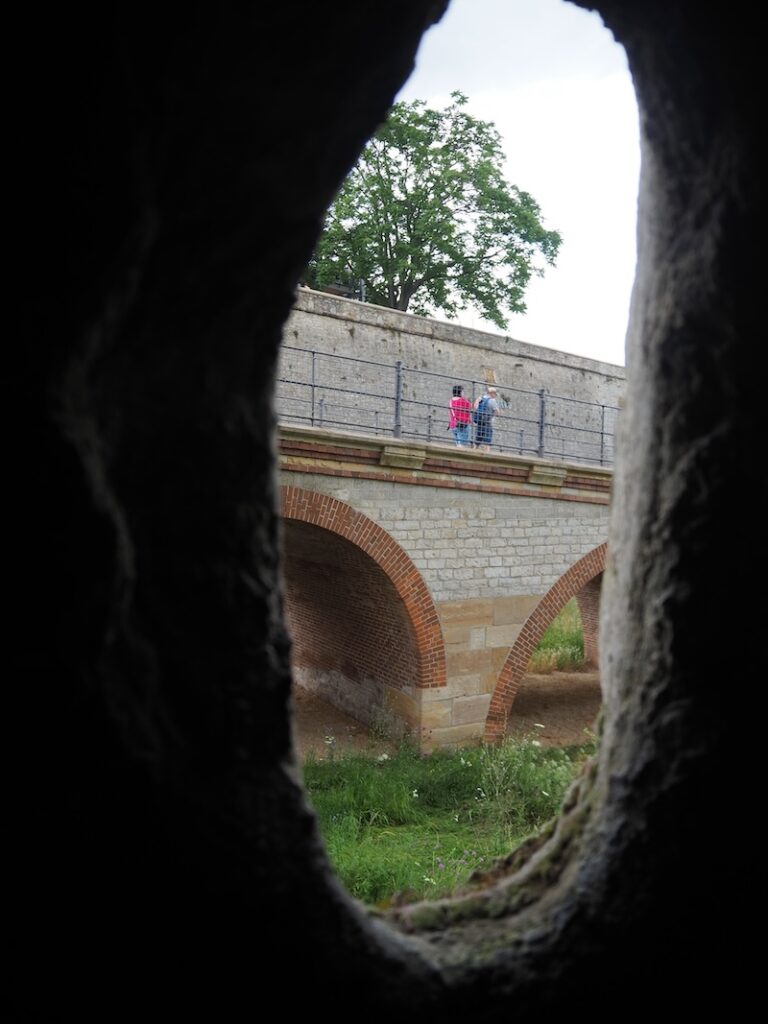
<point>564,703</point>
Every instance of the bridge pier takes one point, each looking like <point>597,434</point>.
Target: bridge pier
<point>478,634</point>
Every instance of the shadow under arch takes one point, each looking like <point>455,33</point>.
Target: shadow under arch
<point>339,518</point>
<point>580,574</point>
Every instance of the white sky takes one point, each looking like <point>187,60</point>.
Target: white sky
<point>556,85</point>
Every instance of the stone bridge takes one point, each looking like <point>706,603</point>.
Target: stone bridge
<point>419,578</point>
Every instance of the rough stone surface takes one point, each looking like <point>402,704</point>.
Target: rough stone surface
<point>176,165</point>
<point>349,351</point>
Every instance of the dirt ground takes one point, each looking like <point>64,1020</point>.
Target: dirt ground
<point>558,708</point>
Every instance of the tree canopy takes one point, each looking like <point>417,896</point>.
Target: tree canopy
<point>427,221</point>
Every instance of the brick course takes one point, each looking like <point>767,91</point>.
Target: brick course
<point>403,604</point>
<point>579,576</point>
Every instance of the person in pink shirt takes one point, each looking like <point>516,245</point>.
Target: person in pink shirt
<point>460,410</point>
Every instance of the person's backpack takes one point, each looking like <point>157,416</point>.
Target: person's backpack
<point>480,415</point>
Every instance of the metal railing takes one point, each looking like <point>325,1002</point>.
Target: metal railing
<point>328,390</point>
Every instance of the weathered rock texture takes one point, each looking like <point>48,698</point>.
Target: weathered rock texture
<point>177,160</point>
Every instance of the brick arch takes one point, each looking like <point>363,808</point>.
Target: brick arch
<point>338,517</point>
<point>570,583</point>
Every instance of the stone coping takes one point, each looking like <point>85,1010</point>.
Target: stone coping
<point>312,449</point>
<point>384,318</point>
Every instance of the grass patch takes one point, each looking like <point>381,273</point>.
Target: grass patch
<point>416,827</point>
<point>562,646</point>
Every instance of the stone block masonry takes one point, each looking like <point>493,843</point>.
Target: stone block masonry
<point>505,547</point>
<point>338,369</point>
<point>345,327</point>
<point>489,541</point>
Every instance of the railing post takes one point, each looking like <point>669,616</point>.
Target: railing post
<point>398,427</point>
<point>542,411</point>
<point>602,435</point>
<point>429,426</point>
<point>321,403</point>
<point>312,409</point>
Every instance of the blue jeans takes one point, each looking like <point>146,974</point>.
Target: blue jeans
<point>461,434</point>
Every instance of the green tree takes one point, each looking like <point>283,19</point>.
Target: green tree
<point>427,221</point>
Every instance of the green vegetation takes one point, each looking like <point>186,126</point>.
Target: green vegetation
<point>428,221</point>
<point>411,827</point>
<point>562,646</point>
<point>415,827</point>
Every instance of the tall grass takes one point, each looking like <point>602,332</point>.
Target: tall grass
<point>562,646</point>
<point>416,827</point>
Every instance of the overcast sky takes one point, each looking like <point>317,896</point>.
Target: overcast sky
<point>555,83</point>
